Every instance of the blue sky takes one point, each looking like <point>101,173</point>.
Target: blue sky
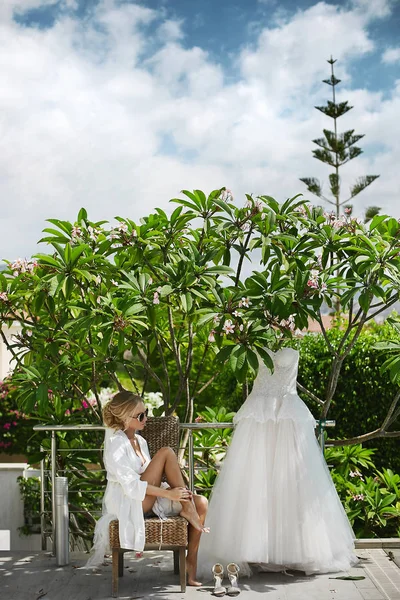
<point>117,106</point>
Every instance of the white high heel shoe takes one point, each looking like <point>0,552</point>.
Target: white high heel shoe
<point>218,572</point>
<point>233,574</point>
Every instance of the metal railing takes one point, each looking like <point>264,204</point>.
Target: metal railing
<point>54,429</point>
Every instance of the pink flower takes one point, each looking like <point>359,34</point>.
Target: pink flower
<point>85,404</point>
<point>216,319</point>
<point>199,419</point>
<point>7,425</point>
<point>312,284</point>
<point>228,326</point>
<point>76,232</point>
<point>67,412</point>
<point>156,298</point>
<point>15,423</point>
<point>211,337</point>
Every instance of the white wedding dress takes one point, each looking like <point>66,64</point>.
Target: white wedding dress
<point>274,502</point>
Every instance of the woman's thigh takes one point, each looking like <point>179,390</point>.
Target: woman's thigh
<point>155,470</point>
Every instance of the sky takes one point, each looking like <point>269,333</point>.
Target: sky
<point>119,105</point>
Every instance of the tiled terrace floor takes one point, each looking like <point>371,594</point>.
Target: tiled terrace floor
<point>34,576</point>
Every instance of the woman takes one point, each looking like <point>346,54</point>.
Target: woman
<point>134,485</point>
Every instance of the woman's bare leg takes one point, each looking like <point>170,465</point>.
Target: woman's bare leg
<point>165,461</point>
<point>201,505</point>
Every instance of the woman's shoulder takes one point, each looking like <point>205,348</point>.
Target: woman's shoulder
<point>116,436</point>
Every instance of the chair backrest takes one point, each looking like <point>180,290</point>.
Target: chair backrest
<point>162,431</point>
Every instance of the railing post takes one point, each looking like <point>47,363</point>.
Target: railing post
<point>191,461</point>
<point>62,521</point>
<point>42,504</point>
<point>53,467</point>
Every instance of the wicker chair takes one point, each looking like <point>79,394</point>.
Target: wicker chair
<point>171,534</point>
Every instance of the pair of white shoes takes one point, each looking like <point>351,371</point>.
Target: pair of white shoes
<point>232,571</point>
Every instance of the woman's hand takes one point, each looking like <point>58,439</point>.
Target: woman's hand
<point>179,493</point>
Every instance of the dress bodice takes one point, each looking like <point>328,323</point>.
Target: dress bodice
<point>283,379</point>
<point>274,396</point>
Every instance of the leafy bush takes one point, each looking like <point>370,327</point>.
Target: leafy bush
<point>363,393</point>
<point>371,498</point>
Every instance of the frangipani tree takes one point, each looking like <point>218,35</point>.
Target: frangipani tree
<point>170,290</point>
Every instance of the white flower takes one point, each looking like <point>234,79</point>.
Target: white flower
<point>123,227</point>
<point>114,282</point>
<point>3,296</point>
<point>150,280</point>
<point>29,332</point>
<point>98,280</point>
<point>228,326</point>
<point>156,299</point>
<point>241,327</point>
<point>92,233</point>
<point>244,302</point>
<point>323,287</point>
<point>211,337</point>
<point>236,313</point>
<point>98,300</point>
<point>134,232</point>
<point>113,235</point>
<point>216,319</point>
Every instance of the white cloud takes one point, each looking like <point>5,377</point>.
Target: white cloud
<point>391,55</point>
<point>113,113</point>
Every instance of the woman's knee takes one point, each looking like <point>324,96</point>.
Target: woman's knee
<point>166,451</point>
<point>201,504</point>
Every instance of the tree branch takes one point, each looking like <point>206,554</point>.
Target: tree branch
<point>310,394</point>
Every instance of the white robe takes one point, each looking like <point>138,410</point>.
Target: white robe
<point>123,497</point>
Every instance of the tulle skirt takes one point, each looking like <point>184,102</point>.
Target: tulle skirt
<point>274,503</point>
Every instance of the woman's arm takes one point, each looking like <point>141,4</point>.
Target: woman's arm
<point>175,494</point>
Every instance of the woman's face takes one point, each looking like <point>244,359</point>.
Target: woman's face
<point>137,418</point>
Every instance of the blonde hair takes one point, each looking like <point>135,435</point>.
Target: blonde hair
<point>120,407</point>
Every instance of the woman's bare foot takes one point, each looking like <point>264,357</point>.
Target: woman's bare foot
<point>191,575</point>
<point>189,513</point>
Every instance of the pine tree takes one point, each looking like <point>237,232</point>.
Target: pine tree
<point>336,149</point>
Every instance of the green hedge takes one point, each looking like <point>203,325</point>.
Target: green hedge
<point>363,394</point>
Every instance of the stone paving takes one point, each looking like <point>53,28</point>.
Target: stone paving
<point>33,576</point>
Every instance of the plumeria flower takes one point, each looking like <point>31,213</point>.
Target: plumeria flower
<point>29,332</point>
<point>323,287</point>
<point>301,210</point>
<point>114,282</point>
<point>241,327</point>
<point>98,300</point>
<point>98,280</point>
<point>76,232</point>
<point>134,232</point>
<point>244,302</point>
<point>156,298</point>
<point>228,327</point>
<point>211,337</point>
<point>216,319</point>
<point>348,210</point>
<point>113,235</point>
<point>123,227</point>
<point>199,419</point>
<point>150,280</point>
<point>3,296</point>
<point>226,195</point>
<point>236,313</point>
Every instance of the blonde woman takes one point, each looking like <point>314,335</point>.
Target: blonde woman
<point>134,485</point>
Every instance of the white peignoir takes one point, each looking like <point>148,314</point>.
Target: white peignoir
<point>124,495</point>
<point>274,502</point>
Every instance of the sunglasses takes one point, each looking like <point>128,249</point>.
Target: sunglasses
<point>140,417</point>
